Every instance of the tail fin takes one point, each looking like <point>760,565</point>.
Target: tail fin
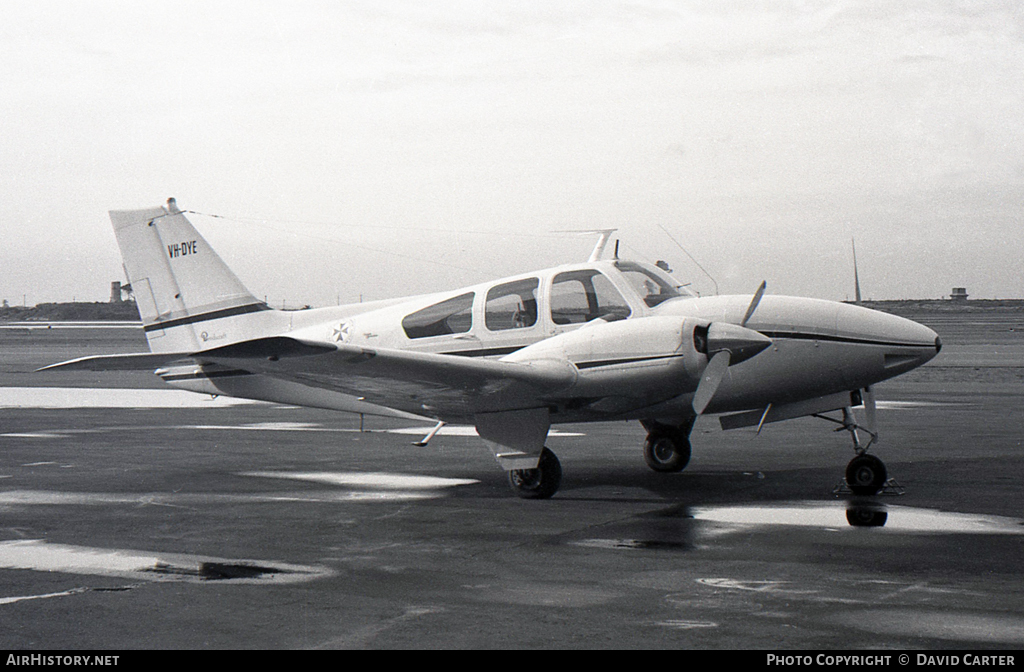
<point>187,297</point>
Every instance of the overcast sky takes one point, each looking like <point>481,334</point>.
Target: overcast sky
<point>378,149</point>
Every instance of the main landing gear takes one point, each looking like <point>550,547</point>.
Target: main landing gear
<point>539,483</point>
<point>667,448</point>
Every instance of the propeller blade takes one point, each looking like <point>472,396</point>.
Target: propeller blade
<point>712,377</point>
<point>753,303</point>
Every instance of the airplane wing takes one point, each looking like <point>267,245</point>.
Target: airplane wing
<point>406,380</point>
<point>415,381</point>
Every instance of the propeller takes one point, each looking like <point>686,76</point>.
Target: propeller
<point>728,344</point>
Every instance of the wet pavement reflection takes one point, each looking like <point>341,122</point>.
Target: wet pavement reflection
<point>689,528</point>
<point>858,513</point>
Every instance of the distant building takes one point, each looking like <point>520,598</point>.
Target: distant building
<point>959,294</point>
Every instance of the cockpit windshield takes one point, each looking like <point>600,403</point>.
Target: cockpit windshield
<point>653,285</point>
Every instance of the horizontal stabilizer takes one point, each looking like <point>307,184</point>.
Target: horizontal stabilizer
<point>261,348</point>
<point>135,361</point>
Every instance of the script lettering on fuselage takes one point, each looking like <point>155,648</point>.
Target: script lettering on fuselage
<point>182,249</point>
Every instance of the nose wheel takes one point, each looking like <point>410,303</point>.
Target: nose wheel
<point>866,475</point>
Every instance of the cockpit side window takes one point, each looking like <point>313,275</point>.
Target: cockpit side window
<point>454,316</point>
<point>585,295</point>
<point>653,288</point>
<point>512,305</point>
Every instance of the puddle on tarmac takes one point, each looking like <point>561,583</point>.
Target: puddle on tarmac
<point>371,480</point>
<point>697,525</point>
<point>354,487</point>
<point>951,625</point>
<point>900,405</point>
<point>187,500</point>
<point>90,397</point>
<point>633,544</point>
<point>680,624</point>
<point>840,515</point>
<point>38,555</point>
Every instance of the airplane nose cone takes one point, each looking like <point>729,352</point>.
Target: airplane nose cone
<point>740,342</point>
<point>908,344</point>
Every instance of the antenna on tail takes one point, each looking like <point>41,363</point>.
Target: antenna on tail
<point>856,277</point>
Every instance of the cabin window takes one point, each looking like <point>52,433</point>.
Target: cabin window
<point>454,316</point>
<point>585,295</point>
<point>652,287</point>
<point>512,305</point>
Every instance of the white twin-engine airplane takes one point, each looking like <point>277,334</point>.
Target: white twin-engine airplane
<point>601,340</point>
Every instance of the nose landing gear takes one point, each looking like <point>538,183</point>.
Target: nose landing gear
<point>865,474</point>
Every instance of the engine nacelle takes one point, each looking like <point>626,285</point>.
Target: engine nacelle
<point>632,363</point>
<point>642,358</point>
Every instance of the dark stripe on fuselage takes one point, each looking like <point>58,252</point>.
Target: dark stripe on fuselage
<point>485,352</point>
<point>626,360</point>
<point>205,317</point>
<point>840,339</point>
<point>492,352</point>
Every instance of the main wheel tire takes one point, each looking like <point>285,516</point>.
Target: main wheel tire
<point>539,483</point>
<point>667,450</point>
<point>866,475</point>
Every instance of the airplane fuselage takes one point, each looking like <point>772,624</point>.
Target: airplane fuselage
<point>818,347</point>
